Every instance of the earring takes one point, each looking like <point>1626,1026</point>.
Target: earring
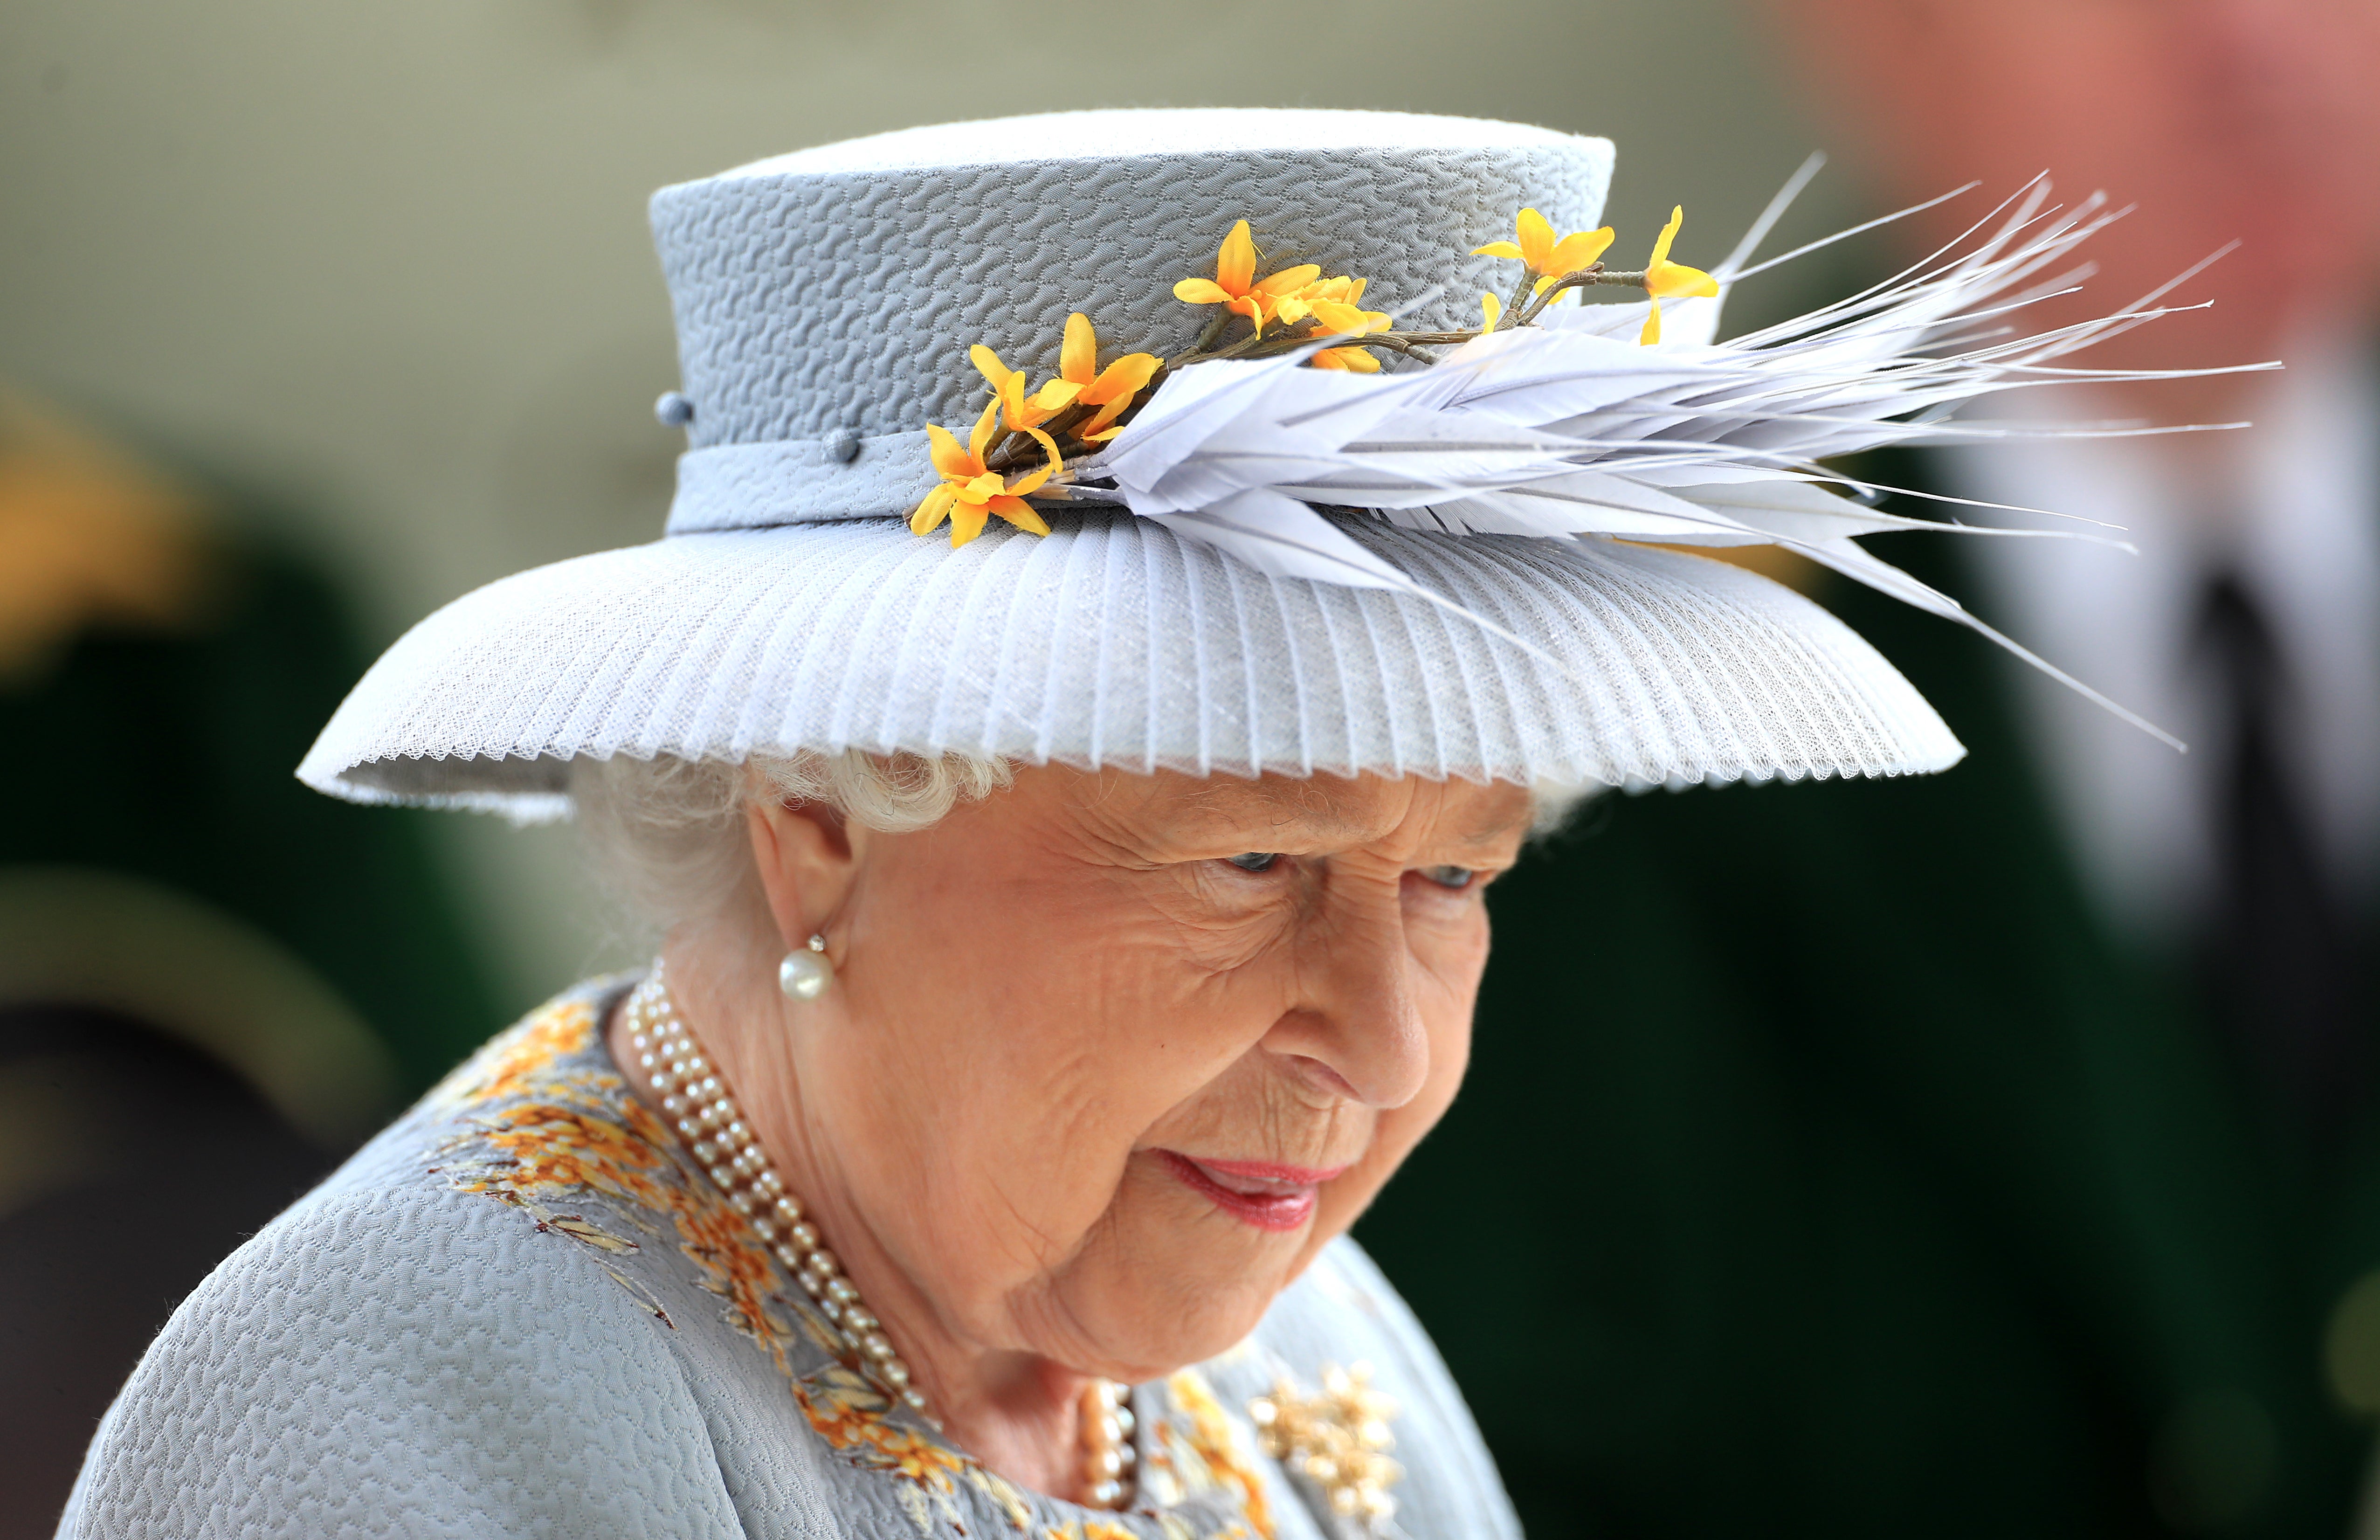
<point>806,974</point>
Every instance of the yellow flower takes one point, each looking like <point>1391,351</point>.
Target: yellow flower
<point>1353,359</point>
<point>1336,305</point>
<point>1666,280</point>
<point>1236,287</point>
<point>1491,311</point>
<point>1019,412</point>
<point>1548,257</point>
<point>1080,378</point>
<point>970,493</point>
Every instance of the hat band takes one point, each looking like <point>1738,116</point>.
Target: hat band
<point>754,486</point>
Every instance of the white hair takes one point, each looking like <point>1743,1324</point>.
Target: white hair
<point>667,835</point>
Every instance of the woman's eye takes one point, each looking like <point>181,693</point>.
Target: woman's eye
<point>1456,878</point>
<point>1256,860</point>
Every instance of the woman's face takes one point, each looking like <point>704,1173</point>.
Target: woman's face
<point>1109,1057</point>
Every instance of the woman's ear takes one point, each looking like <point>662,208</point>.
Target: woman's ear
<point>807,856</point>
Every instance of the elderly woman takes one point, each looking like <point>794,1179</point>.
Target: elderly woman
<point>1068,929</point>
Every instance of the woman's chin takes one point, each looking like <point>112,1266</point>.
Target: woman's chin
<point>1175,1295</point>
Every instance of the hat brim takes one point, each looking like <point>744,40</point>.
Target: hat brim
<point>1112,642</point>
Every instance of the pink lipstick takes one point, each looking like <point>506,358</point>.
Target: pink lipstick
<point>1263,1193</point>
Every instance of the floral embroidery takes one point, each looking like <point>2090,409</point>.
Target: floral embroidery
<point>1213,1455</point>
<point>541,1121</point>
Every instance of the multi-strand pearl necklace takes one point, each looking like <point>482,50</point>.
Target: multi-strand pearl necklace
<point>697,1103</point>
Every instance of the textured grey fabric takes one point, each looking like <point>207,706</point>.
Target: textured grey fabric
<point>396,1357</point>
<point>839,289</point>
<point>1113,643</point>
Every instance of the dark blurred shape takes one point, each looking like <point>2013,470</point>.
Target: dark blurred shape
<point>213,983</point>
<point>1828,1168</point>
<point>1994,1154</point>
<point>2282,955</point>
<point>160,742</point>
<point>130,1164</point>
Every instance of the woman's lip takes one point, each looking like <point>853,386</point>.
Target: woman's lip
<point>1260,1193</point>
<point>1271,1171</point>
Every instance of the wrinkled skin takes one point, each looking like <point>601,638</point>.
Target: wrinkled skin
<point>2253,120</point>
<point>1037,997</point>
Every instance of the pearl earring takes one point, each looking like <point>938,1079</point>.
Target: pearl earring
<point>806,974</point>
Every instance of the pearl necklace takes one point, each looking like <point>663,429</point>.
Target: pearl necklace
<point>698,1106</point>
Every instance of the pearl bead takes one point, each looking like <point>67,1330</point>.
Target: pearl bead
<point>1127,1454</point>
<point>1105,1494</point>
<point>727,1149</point>
<point>1105,1465</point>
<point>1124,1421</point>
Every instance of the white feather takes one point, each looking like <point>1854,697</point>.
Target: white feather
<point>1568,428</point>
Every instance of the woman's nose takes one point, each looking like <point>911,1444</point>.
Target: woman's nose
<point>1356,1013</point>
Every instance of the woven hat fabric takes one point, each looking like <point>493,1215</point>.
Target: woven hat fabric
<point>825,302</point>
<point>1114,642</point>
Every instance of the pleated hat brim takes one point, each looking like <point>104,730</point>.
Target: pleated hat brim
<point>1113,643</point>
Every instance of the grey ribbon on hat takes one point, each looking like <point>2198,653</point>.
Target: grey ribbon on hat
<point>754,486</point>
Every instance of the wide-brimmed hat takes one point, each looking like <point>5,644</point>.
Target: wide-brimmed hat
<point>1264,551</point>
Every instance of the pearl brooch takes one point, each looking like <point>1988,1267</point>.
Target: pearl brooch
<point>1339,1439</point>
<point>715,1132</point>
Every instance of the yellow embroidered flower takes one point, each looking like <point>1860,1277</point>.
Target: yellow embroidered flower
<point>1666,280</point>
<point>1336,306</point>
<point>1080,378</point>
<point>1353,359</point>
<point>970,493</point>
<point>1236,287</point>
<point>1548,258</point>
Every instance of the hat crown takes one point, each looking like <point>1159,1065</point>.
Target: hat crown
<point>831,295</point>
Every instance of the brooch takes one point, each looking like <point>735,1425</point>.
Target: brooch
<point>1339,1439</point>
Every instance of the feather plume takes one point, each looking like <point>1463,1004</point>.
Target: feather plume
<point>1568,429</point>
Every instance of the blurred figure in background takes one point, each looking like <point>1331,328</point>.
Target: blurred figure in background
<point>180,929</point>
<point>2064,1221</point>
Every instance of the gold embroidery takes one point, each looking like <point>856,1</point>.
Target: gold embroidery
<point>542,1121</point>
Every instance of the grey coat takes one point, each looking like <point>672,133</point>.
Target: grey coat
<point>521,1310</point>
